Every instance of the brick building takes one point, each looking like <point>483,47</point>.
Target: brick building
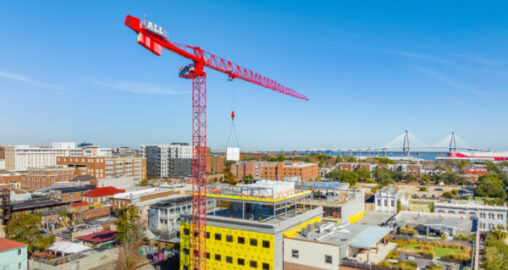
<point>101,167</point>
<point>70,194</point>
<point>215,164</point>
<point>8,154</point>
<point>39,178</point>
<point>100,195</point>
<point>275,170</point>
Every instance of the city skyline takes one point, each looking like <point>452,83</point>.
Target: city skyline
<point>370,73</point>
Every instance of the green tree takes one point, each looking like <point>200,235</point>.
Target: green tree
<point>343,176</point>
<point>130,237</point>
<point>399,206</point>
<point>363,174</point>
<point>144,182</point>
<point>490,186</point>
<point>127,224</point>
<point>383,176</point>
<point>447,195</point>
<point>383,160</point>
<point>229,178</point>
<point>496,254</point>
<point>26,228</point>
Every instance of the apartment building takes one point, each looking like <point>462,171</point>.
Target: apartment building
<point>13,254</point>
<point>39,178</point>
<point>27,156</point>
<point>489,216</point>
<point>215,164</point>
<point>297,171</point>
<point>101,167</point>
<point>168,160</point>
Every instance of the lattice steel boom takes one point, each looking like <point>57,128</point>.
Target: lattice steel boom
<point>152,38</point>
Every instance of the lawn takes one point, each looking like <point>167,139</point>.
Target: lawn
<point>438,251</point>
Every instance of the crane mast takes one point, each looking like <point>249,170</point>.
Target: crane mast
<point>153,38</point>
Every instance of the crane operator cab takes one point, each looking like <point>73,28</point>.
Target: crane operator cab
<point>186,71</point>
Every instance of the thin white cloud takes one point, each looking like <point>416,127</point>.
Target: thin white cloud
<point>453,83</point>
<point>26,79</point>
<point>421,56</point>
<point>479,60</point>
<point>137,88</point>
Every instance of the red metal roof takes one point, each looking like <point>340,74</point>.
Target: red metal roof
<point>6,244</point>
<point>79,204</point>
<point>103,191</point>
<point>100,237</point>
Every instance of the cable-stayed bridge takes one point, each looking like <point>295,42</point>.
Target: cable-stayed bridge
<point>407,145</point>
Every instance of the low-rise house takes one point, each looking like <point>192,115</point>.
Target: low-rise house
<point>101,194</point>
<point>122,182</point>
<point>13,254</point>
<point>387,199</point>
<point>326,245</point>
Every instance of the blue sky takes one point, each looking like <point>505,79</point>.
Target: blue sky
<point>71,71</point>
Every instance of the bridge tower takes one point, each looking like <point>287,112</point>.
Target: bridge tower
<point>405,145</point>
<point>453,143</point>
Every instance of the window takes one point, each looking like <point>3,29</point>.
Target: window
<point>19,265</point>
<point>19,251</point>
<point>266,266</point>
<point>385,202</point>
<point>208,255</point>
<point>379,202</point>
<point>392,203</point>
<point>294,253</point>
<point>500,216</point>
<point>266,244</point>
<point>185,267</point>
<point>229,259</point>
<point>207,235</point>
<point>217,236</point>
<point>186,251</point>
<point>217,257</point>
<point>328,259</point>
<point>229,238</point>
<point>253,242</point>
<point>253,264</point>
<point>186,231</point>
<point>241,240</point>
<point>240,261</point>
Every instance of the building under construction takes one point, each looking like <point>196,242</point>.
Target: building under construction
<point>249,224</point>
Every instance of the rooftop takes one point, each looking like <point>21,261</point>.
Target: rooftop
<point>100,237</point>
<point>261,191</point>
<point>103,191</point>
<point>173,199</point>
<point>356,235</point>
<point>463,224</point>
<point>6,244</point>
<point>74,189</point>
<point>470,204</point>
<point>136,194</point>
<point>36,203</point>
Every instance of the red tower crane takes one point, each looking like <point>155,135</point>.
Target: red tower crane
<point>153,38</point>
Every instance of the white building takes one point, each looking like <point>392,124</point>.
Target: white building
<point>167,160</point>
<point>386,199</point>
<point>27,156</point>
<point>2,164</point>
<point>489,216</point>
